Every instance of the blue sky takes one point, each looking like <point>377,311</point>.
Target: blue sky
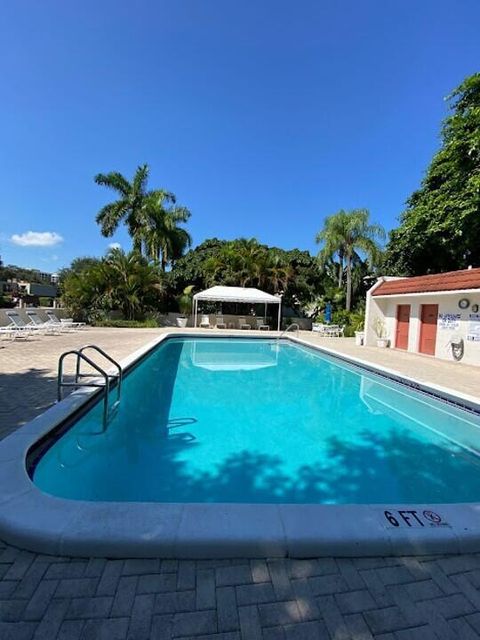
<point>262,116</point>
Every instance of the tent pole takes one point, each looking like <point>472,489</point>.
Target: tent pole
<point>279,313</point>
<point>196,313</point>
<point>265,315</point>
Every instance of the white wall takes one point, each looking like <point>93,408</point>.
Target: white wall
<point>447,303</point>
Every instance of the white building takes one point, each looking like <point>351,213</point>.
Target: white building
<point>437,315</point>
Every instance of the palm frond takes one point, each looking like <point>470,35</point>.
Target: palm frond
<point>110,215</point>
<point>114,180</point>
<point>139,184</point>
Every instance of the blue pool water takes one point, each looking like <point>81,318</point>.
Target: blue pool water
<point>250,420</point>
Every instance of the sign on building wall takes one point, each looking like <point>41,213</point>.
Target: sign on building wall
<point>449,321</point>
<point>473,333</point>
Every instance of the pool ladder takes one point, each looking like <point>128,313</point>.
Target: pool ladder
<point>290,327</point>
<point>109,379</point>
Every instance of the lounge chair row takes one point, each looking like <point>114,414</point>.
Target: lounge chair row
<point>241,323</point>
<point>328,330</point>
<point>19,329</point>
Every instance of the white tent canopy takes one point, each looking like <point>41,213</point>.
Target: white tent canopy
<point>236,294</point>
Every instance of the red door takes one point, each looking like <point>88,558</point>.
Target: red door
<point>403,324</point>
<point>428,329</point>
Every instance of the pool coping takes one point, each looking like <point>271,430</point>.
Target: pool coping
<point>44,523</point>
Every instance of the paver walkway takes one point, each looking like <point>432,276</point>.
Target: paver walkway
<point>51,598</point>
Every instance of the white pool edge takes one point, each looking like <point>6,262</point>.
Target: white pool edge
<point>40,522</point>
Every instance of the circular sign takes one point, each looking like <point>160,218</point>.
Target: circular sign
<point>432,516</point>
<point>464,303</point>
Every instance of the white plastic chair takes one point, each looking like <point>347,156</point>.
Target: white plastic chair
<point>242,323</point>
<point>205,321</point>
<point>220,322</point>
<point>261,326</point>
<point>318,327</point>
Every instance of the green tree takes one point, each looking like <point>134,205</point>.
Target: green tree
<point>129,207</point>
<point>332,236</point>
<point>345,234</point>
<point>440,228</point>
<point>134,285</point>
<point>121,281</point>
<point>164,240</point>
<point>246,262</point>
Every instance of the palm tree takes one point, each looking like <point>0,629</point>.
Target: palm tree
<point>345,233</point>
<point>333,238</point>
<point>277,273</point>
<point>163,239</point>
<point>134,284</point>
<point>129,208</point>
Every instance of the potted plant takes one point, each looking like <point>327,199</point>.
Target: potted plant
<point>185,306</point>
<point>380,329</point>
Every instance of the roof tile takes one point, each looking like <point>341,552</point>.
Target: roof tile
<point>452,280</point>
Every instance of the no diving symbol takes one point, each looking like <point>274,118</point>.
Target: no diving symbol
<point>432,516</point>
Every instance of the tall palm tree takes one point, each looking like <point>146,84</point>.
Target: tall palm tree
<point>129,207</point>
<point>333,238</point>
<point>344,234</point>
<point>164,240</point>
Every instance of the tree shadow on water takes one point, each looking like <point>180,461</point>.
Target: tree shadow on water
<point>393,467</point>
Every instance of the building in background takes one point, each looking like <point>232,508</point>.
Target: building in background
<point>436,315</point>
<point>40,290</point>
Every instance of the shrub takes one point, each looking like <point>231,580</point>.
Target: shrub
<point>6,303</point>
<point>121,281</point>
<point>353,321</point>
<point>148,323</point>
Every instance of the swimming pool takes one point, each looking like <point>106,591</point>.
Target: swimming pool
<point>236,447</point>
<point>262,421</point>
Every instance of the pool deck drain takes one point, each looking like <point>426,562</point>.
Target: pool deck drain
<point>369,597</point>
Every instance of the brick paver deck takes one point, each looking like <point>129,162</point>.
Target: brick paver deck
<point>50,598</point>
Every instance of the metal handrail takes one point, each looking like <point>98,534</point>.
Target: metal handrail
<point>107,357</point>
<point>106,377</point>
<point>290,326</point>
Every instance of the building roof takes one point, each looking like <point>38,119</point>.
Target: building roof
<point>237,294</point>
<point>450,281</point>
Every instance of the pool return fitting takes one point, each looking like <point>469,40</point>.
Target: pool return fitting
<point>109,379</point>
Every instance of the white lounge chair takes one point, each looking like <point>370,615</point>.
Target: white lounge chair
<point>17,322</point>
<point>205,322</point>
<point>220,322</point>
<point>243,324</point>
<point>36,321</point>
<point>66,323</point>
<point>261,326</point>
<point>14,332</point>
